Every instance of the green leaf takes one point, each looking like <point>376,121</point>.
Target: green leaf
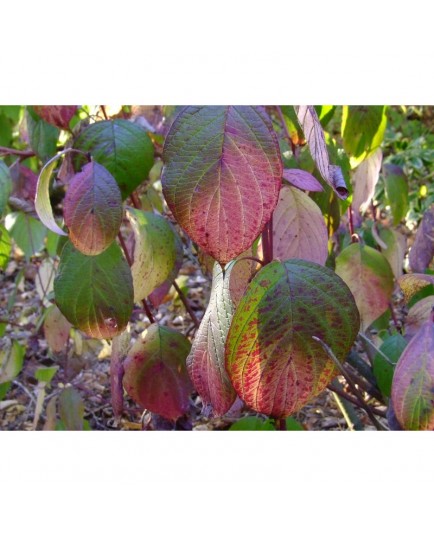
<point>12,112</point>
<point>5,186</point>
<point>71,410</point>
<point>206,361</point>
<point>122,147</point>
<point>27,232</point>
<point>5,247</point>
<point>4,388</point>
<point>156,375</point>
<point>413,381</point>
<point>368,274</point>
<point>392,348</point>
<point>299,229</point>
<point>250,424</point>
<point>292,425</point>
<point>42,199</point>
<point>396,244</point>
<point>154,251</point>
<point>293,126</point>
<point>93,209</point>
<point>45,374</point>
<point>325,113</point>
<point>95,293</point>
<point>274,364</point>
<point>5,131</point>
<point>363,129</point>
<point>11,361</point>
<point>222,176</point>
<point>42,136</point>
<point>51,243</point>
<point>396,186</point>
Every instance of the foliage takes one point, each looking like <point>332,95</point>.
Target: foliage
<point>315,221</point>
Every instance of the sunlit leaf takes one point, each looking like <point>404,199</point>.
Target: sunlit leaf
<point>56,329</point>
<point>206,361</point>
<point>222,176</point>
<point>154,251</point>
<point>93,209</point>
<point>95,293</point>
<point>363,129</point>
<point>56,115</point>
<point>273,362</point>
<point>293,126</point>
<point>46,374</point>
<point>411,284</point>
<point>422,250</point>
<point>5,247</point>
<point>299,229</point>
<point>5,186</point>
<point>396,187</point>
<point>122,147</point>
<point>392,348</point>
<point>156,376</point>
<point>365,178</point>
<point>314,135</point>
<point>413,381</point>
<point>368,274</point>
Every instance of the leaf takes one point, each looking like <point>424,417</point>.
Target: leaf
<point>294,129</point>
<point>71,409</point>
<point>95,293</point>
<point>5,247</point>
<point>206,361</point>
<point>274,364</point>
<point>42,136</point>
<point>46,374</point>
<point>42,198</point>
<point>396,245</point>
<point>299,229</point>
<point>11,361</point>
<point>93,209</point>
<point>314,135</point>
<point>411,284</point>
<point>222,176</point>
<point>56,329</point>
<point>242,273</point>
<point>122,147</point>
<point>413,381</point>
<point>396,187</point>
<point>417,315</point>
<point>363,129</point>
<point>392,347</point>
<point>154,251</point>
<point>58,116</point>
<point>365,178</point>
<point>368,274</point>
<point>44,280</point>
<point>250,424</point>
<point>302,179</point>
<point>5,186</point>
<point>120,347</point>
<point>28,234</point>
<point>422,250</point>
<point>157,296</point>
<point>156,376</point>
<point>292,425</point>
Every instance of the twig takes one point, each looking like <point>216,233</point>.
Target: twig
<point>104,113</point>
<point>354,237</point>
<point>345,374</point>
<point>344,412</point>
<point>186,304</point>
<point>377,350</point>
<point>16,152</point>
<point>24,388</point>
<point>135,200</point>
<point>280,424</point>
<point>255,259</point>
<point>353,400</point>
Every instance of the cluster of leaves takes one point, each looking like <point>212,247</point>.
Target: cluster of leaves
<point>305,223</point>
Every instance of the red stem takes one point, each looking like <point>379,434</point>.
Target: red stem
<point>104,113</point>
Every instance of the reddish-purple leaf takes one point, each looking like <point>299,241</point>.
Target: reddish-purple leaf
<point>59,116</point>
<point>274,364</point>
<point>302,179</point>
<point>206,361</point>
<point>299,229</point>
<point>422,251</point>
<point>93,209</point>
<point>364,179</point>
<point>368,274</point>
<point>222,176</point>
<point>156,376</point>
<point>413,381</point>
<point>417,315</point>
<point>314,135</point>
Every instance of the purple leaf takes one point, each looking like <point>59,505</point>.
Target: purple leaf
<point>365,178</point>
<point>302,179</point>
<point>422,251</point>
<point>59,116</point>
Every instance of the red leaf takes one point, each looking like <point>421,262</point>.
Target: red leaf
<point>156,376</point>
<point>222,176</point>
<point>59,116</point>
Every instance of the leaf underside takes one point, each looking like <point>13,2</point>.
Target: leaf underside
<point>274,364</point>
<point>222,176</point>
